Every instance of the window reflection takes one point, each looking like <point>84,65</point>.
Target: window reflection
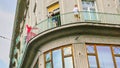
<point>116,50</point>
<point>68,62</point>
<point>90,49</point>
<point>117,61</point>
<point>48,56</point>
<point>48,65</point>
<point>67,50</point>
<point>105,57</point>
<point>92,61</point>
<point>57,59</point>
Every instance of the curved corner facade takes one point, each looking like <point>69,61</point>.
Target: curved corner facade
<point>49,34</point>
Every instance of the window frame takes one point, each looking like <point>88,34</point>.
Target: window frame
<point>115,55</point>
<point>96,53</point>
<point>36,63</point>
<point>62,53</point>
<point>89,12</point>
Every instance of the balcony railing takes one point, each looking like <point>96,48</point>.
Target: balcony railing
<point>68,18</point>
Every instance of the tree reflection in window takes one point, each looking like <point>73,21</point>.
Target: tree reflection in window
<point>59,58</point>
<point>67,50</point>
<point>48,60</point>
<point>48,57</point>
<point>48,65</point>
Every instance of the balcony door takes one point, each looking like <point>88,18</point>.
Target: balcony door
<point>89,10</point>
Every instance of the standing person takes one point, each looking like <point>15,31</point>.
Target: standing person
<point>76,12</point>
<point>50,19</point>
<point>50,14</point>
<point>54,19</point>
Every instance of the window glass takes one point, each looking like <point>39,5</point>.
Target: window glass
<point>57,58</point>
<point>105,57</point>
<point>90,49</point>
<point>67,50</point>
<point>48,57</point>
<point>116,50</point>
<point>90,7</point>
<point>48,65</point>
<point>68,62</point>
<point>92,61</point>
<point>117,61</point>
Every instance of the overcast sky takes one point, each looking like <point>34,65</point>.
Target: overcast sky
<point>7,12</point>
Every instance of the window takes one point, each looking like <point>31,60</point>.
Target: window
<point>48,60</point>
<point>103,56</point>
<point>116,51</point>
<point>89,10</point>
<point>59,58</point>
<point>68,57</point>
<point>92,57</point>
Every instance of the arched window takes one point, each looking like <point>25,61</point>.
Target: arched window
<point>61,57</point>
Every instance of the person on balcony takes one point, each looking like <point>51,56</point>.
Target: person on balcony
<point>76,12</point>
<point>29,33</point>
<point>55,20</point>
<point>50,19</point>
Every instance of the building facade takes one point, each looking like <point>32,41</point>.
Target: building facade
<point>61,39</point>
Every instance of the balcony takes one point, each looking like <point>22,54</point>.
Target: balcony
<point>68,19</point>
<point>65,20</point>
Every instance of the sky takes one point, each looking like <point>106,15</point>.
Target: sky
<point>7,13</point>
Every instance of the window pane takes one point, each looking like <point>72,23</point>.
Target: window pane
<point>90,49</point>
<point>67,51</point>
<point>93,14</point>
<point>68,62</point>
<point>48,65</point>
<point>57,58</point>
<point>116,50</point>
<point>48,57</point>
<point>117,61</point>
<point>86,15</point>
<point>92,61</point>
<point>105,57</point>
